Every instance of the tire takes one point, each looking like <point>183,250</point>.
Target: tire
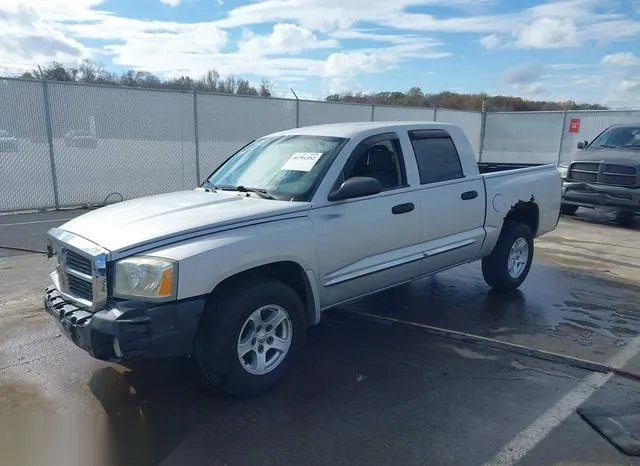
<point>495,266</point>
<point>219,337</point>
<point>625,219</point>
<point>567,209</point>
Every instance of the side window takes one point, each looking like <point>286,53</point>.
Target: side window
<point>380,159</point>
<point>437,157</point>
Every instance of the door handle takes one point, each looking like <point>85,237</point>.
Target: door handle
<point>469,195</point>
<point>402,208</point>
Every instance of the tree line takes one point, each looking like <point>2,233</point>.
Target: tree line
<point>93,73</point>
<point>211,81</point>
<point>415,97</point>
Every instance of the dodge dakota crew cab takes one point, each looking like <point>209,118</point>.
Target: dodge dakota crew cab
<point>234,271</point>
<point>605,174</point>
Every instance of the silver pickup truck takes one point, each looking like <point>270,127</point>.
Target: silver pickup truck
<point>234,272</point>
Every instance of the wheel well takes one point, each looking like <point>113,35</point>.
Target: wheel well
<point>289,273</point>
<point>527,213</point>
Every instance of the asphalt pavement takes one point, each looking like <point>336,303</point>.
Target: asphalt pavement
<point>366,391</point>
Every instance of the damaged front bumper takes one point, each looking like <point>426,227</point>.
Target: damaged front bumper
<point>128,330</point>
<point>601,196</point>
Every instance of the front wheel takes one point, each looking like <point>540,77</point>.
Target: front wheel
<point>249,337</point>
<point>508,264</point>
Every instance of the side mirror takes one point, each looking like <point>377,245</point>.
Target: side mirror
<point>358,186</point>
<point>582,145</point>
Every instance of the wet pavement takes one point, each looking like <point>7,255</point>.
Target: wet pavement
<point>364,392</point>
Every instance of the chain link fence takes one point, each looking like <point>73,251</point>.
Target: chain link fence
<point>470,122</point>
<point>26,179</point>
<point>70,144</point>
<point>522,137</point>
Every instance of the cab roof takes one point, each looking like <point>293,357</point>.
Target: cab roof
<point>361,128</point>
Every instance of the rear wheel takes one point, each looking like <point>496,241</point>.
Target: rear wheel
<point>508,264</point>
<point>567,209</point>
<point>250,336</point>
<point>625,218</point>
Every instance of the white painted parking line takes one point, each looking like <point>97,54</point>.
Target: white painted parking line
<point>35,221</point>
<point>526,440</point>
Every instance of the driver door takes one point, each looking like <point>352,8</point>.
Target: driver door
<point>367,244</point>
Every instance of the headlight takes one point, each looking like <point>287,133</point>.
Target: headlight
<point>145,277</point>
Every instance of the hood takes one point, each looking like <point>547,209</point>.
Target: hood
<point>621,156</point>
<point>148,219</point>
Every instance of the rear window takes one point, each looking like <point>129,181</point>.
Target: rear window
<point>436,155</point>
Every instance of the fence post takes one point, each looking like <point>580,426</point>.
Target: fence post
<point>297,108</point>
<point>564,125</point>
<point>483,129</point>
<point>195,134</point>
<point>52,161</point>
<point>373,112</point>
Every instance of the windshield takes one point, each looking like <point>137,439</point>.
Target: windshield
<point>285,167</point>
<point>624,136</point>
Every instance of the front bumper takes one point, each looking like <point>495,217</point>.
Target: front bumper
<point>128,330</point>
<point>598,196</point>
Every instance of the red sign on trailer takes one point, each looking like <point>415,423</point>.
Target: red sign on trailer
<point>574,125</point>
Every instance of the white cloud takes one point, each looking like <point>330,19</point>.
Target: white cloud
<point>141,48</point>
<point>526,73</point>
<point>526,79</point>
<point>621,59</point>
<point>26,38</point>
<point>569,66</point>
<point>624,92</point>
<point>489,42</point>
<point>342,68</point>
<point>549,33</point>
<point>173,3</point>
<point>392,38</point>
<point>285,39</point>
<point>629,85</point>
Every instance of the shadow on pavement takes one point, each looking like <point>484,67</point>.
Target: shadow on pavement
<point>362,393</point>
<point>605,218</point>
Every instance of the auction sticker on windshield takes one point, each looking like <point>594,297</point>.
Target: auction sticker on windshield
<point>302,161</point>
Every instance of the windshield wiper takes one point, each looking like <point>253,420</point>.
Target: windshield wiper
<point>243,189</point>
<point>605,146</point>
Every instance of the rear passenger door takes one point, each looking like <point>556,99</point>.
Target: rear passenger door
<point>452,205</point>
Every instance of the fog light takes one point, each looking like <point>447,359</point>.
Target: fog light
<point>116,348</point>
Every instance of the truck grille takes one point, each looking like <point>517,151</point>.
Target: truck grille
<point>76,273</point>
<point>79,288</point>
<point>81,269</point>
<point>587,172</point>
<point>603,173</point>
<point>78,263</point>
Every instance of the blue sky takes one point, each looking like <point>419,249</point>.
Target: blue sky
<point>585,50</point>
